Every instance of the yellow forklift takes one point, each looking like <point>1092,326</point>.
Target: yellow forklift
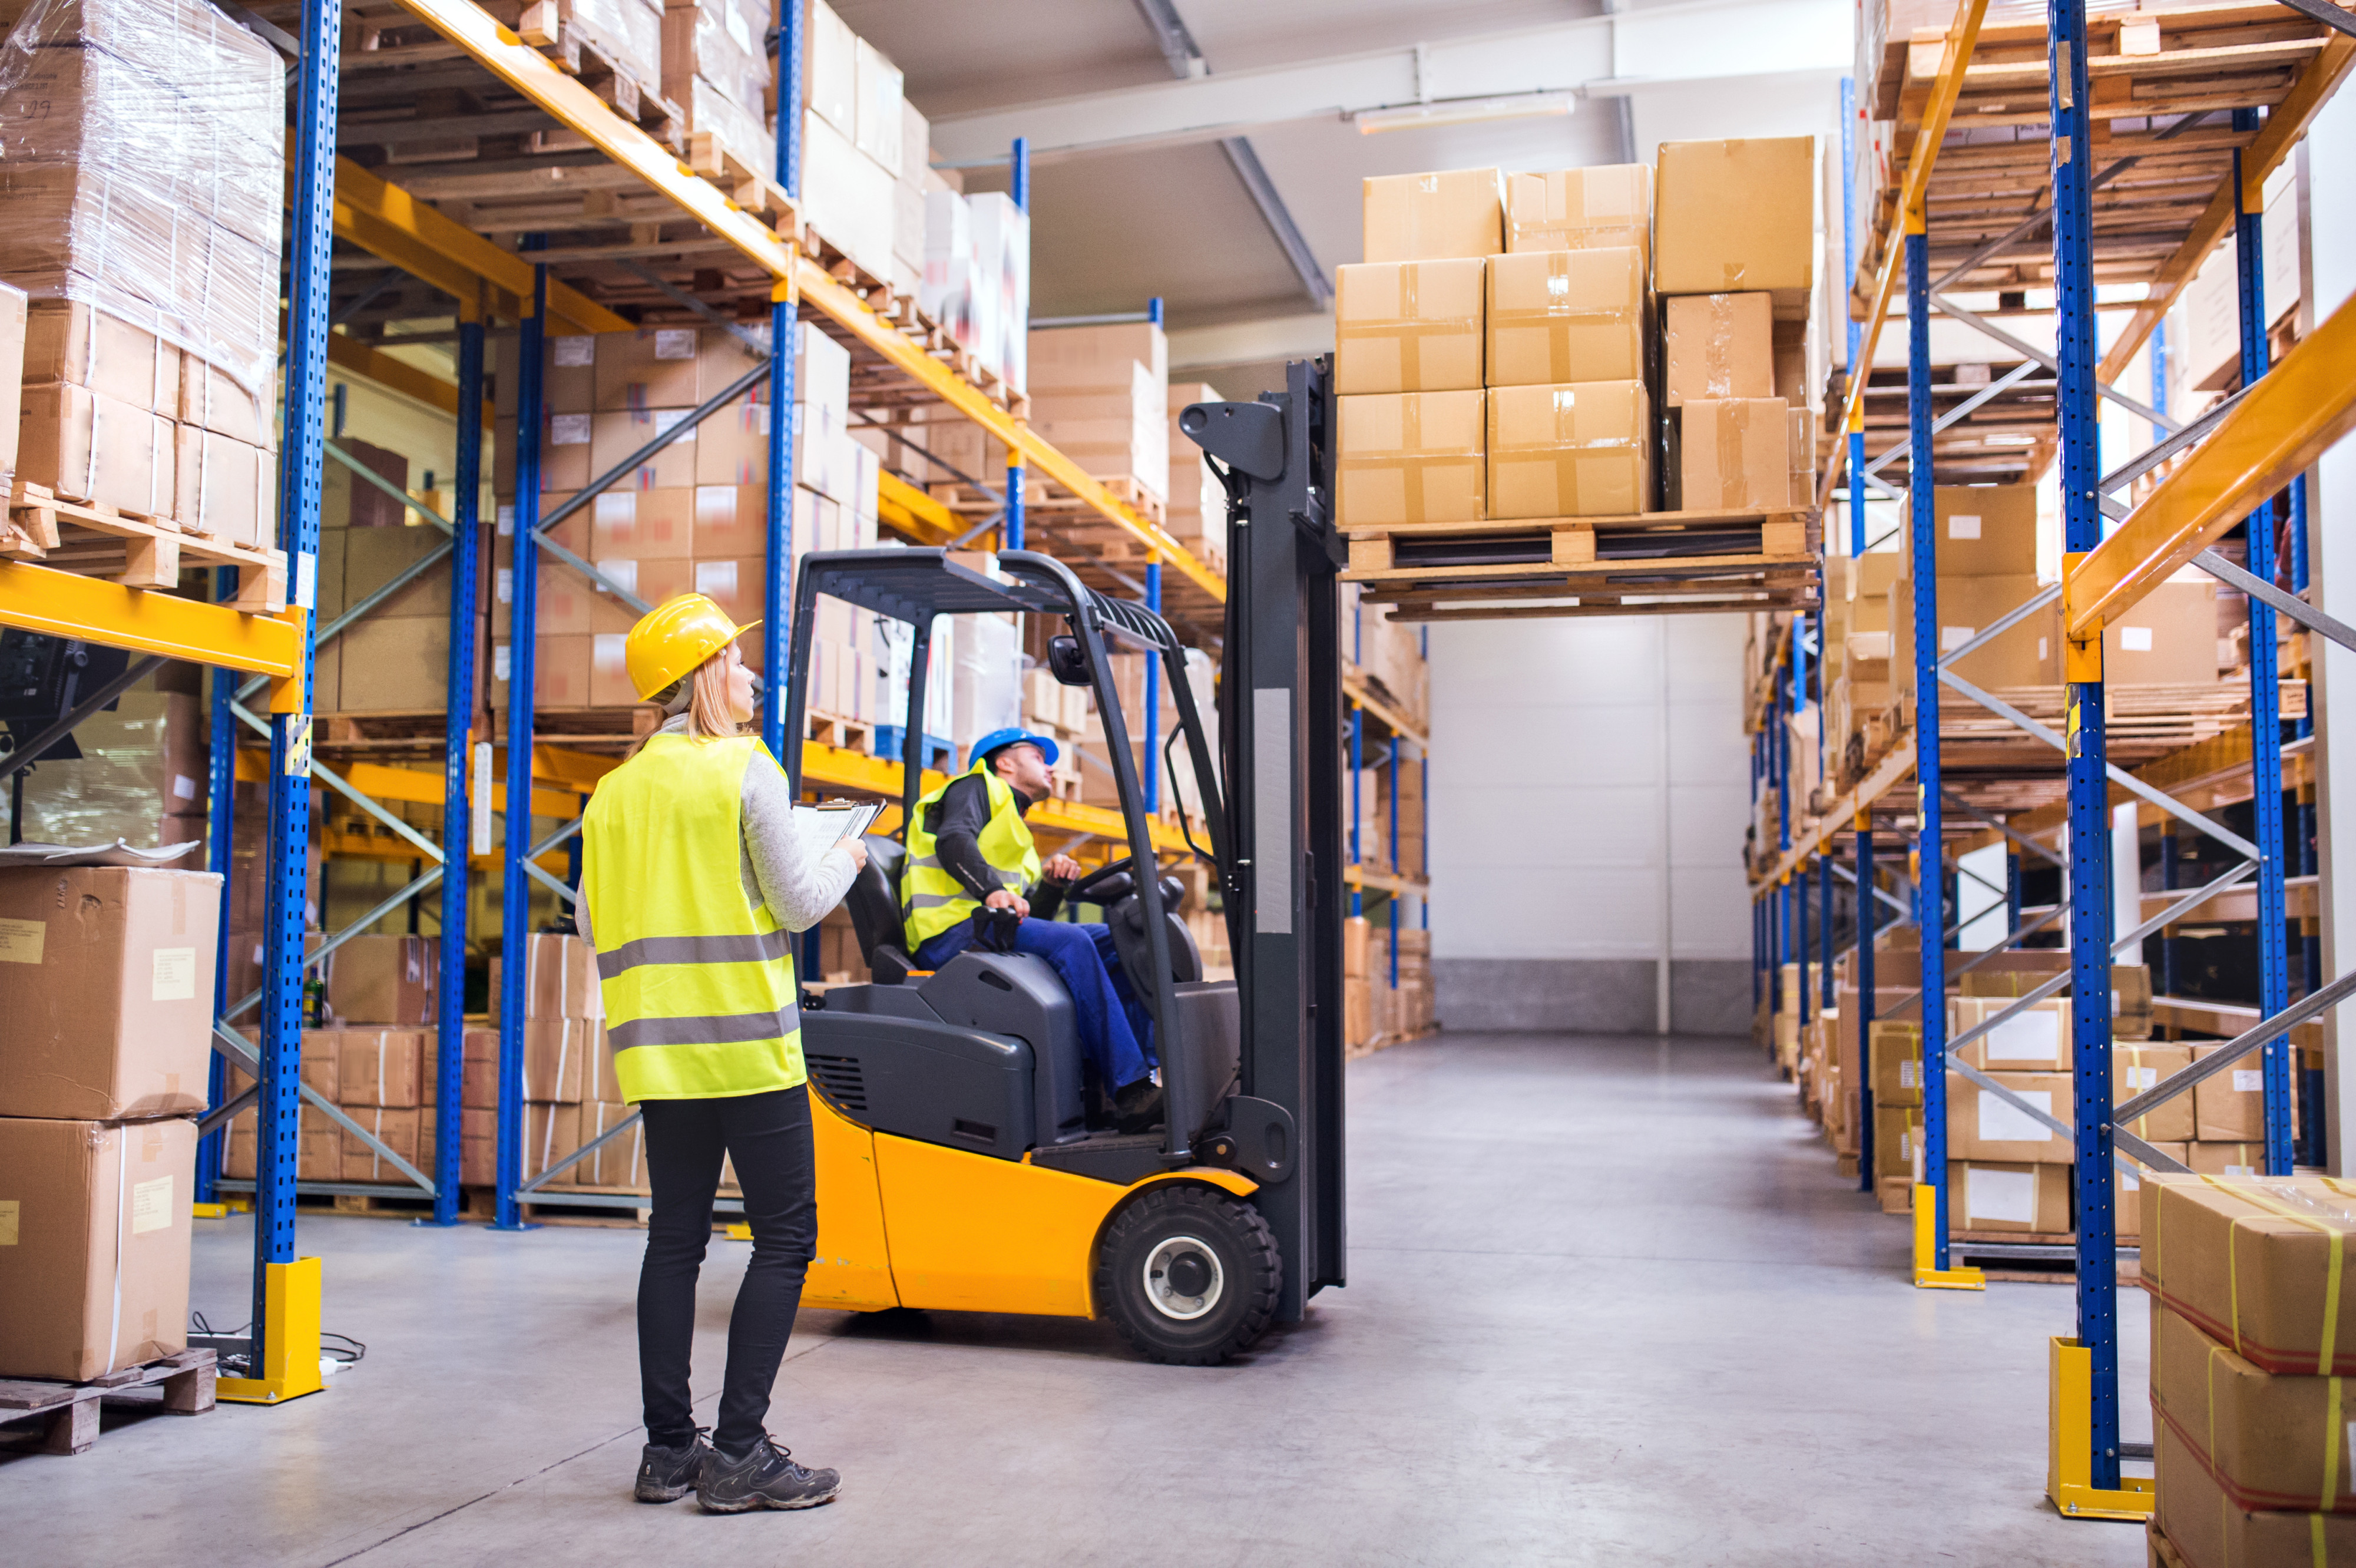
<point>964,1162</point>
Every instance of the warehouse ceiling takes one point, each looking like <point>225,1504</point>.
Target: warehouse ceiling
<point>1135,195</point>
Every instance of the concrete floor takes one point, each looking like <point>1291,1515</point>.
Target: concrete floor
<point>1607,1304</point>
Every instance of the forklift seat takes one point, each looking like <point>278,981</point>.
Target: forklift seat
<point>874,905</point>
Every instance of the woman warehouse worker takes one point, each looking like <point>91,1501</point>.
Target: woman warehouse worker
<point>691,882</point>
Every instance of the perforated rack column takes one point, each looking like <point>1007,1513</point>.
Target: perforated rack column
<point>457,815</point>
<point>785,316</point>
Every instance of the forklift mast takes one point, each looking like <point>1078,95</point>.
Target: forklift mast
<point>1281,739</point>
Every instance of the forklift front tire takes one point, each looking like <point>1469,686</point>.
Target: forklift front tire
<point>1189,1274</point>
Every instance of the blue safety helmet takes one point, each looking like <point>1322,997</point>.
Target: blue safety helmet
<point>1000,739</point>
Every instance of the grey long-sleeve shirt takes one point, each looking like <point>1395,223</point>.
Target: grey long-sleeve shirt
<point>798,890</point>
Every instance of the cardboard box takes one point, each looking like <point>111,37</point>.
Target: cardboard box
<point>211,398</point>
<point>2134,1068</point>
<point>655,367</point>
<point>397,1130</point>
<point>2205,1528</point>
<point>1404,327</point>
<point>478,1087</point>
<point>1982,530</point>
<point>642,525</point>
<point>1581,450</point>
<point>1897,1051</point>
<point>95,1275</point>
<point>549,1133</point>
<point>106,980</point>
<point>2231,1106</point>
<point>1730,456</point>
<point>2250,1264</point>
<point>392,667</point>
<point>1434,217</point>
<point>615,436</point>
<point>1993,1196</point>
<point>560,979</point>
<point>223,487</point>
<point>383,1068</point>
<point>731,521</point>
<point>2168,637</point>
<point>385,980</point>
<point>91,448</point>
<point>554,1050</point>
<point>1563,316</point>
<point>732,447</point>
<point>2217,1158</point>
<point>1737,217</point>
<point>622,1162</point>
<point>2035,1041</point>
<point>1717,346</point>
<point>1412,458</point>
<point>74,343</point>
<point>1582,209</point>
<point>1983,1125</point>
<point>1898,1142</point>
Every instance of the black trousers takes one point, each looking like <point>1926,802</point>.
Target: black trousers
<point>768,1137</point>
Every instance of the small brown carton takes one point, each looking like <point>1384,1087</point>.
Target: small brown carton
<point>1434,217</point>
<point>71,342</point>
<point>1982,1124</point>
<point>1561,317</point>
<point>2231,1106</point>
<point>1582,209</point>
<point>94,1228</point>
<point>1579,450</point>
<point>1730,456</point>
<point>1408,457</point>
<point>1735,217</point>
<point>397,1130</point>
<point>1898,1142</point>
<point>2273,1441</point>
<point>1897,1050</point>
<point>2134,1068</point>
<point>2206,1527</point>
<point>1408,326</point>
<point>379,1067</point>
<point>1990,1196</point>
<point>2035,1040</point>
<point>1717,346</point>
<point>2126,1193</point>
<point>94,448</point>
<point>385,980</point>
<point>555,1053</point>
<point>106,980</point>
<point>2220,1159</point>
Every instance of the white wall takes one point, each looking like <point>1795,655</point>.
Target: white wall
<point>1587,776</point>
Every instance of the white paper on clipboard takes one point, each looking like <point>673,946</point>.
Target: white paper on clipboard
<point>819,828</point>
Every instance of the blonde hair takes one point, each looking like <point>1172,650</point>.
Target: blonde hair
<point>708,716</point>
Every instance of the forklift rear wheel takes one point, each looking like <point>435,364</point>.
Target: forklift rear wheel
<point>1189,1274</point>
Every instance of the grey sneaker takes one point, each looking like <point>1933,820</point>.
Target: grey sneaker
<point>667,1475</point>
<point>767,1477</point>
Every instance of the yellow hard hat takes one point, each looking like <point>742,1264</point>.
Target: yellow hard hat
<point>673,639</point>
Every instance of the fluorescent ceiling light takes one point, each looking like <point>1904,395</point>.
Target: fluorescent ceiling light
<point>1465,111</point>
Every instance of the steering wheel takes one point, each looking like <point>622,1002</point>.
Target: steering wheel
<point>1082,891</point>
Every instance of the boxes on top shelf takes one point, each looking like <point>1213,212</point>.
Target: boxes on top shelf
<point>1737,217</point>
<point>1432,217</point>
<point>1409,327</point>
<point>714,66</point>
<point>1601,207</point>
<point>1101,394</point>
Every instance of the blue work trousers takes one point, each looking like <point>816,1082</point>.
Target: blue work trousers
<point>1116,1031</point>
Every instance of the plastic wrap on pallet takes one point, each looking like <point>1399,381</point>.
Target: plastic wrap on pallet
<point>714,67</point>
<point>630,31</point>
<point>143,169</point>
<point>131,782</point>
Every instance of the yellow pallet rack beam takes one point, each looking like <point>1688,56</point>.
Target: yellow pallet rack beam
<point>915,514</point>
<point>59,604</point>
<point>2287,420</point>
<point>1893,769</point>
<point>1955,56</point>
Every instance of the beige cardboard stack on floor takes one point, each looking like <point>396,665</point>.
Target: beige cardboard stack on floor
<point>2252,1335</point>
<point>567,1071</point>
<point>106,980</point>
<point>141,158</point>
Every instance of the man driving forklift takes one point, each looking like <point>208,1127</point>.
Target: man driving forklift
<point>970,850</point>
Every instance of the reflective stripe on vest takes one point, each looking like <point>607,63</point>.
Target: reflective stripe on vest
<point>697,976</point>
<point>931,897</point>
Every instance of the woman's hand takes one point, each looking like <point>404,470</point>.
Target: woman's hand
<point>858,849</point>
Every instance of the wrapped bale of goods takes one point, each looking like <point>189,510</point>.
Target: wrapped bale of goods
<point>141,157</point>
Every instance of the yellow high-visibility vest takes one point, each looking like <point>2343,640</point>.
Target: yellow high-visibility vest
<point>698,976</point>
<point>931,897</point>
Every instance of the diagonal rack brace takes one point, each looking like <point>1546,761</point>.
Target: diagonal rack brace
<point>233,1046</point>
<point>2311,1005</point>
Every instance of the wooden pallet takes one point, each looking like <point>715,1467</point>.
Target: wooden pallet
<point>134,551</point>
<point>550,26</point>
<point>70,1411</point>
<point>1631,563</point>
<point>1048,506</point>
<point>844,734</point>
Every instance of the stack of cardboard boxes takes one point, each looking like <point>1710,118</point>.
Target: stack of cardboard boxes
<point>1100,395</point>
<point>1383,1004</point>
<point>142,181</point>
<point>715,69</point>
<point>108,990</point>
<point>568,1073</point>
<point>2250,1339</point>
<point>1499,352</point>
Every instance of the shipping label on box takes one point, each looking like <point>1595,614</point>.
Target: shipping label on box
<point>2231,1106</point>
<point>2036,1040</point>
<point>1569,451</point>
<point>1582,209</point>
<point>1561,317</point>
<point>1405,326</point>
<point>2009,1197</point>
<point>1408,457</point>
<point>655,367</point>
<point>1434,217</point>
<point>1717,346</point>
<point>2134,1069</point>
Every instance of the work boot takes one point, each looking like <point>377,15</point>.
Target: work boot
<point>1139,1106</point>
<point>767,1477</point>
<point>666,1474</point>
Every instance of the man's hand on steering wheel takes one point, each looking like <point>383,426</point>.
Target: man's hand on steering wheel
<point>1062,868</point>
